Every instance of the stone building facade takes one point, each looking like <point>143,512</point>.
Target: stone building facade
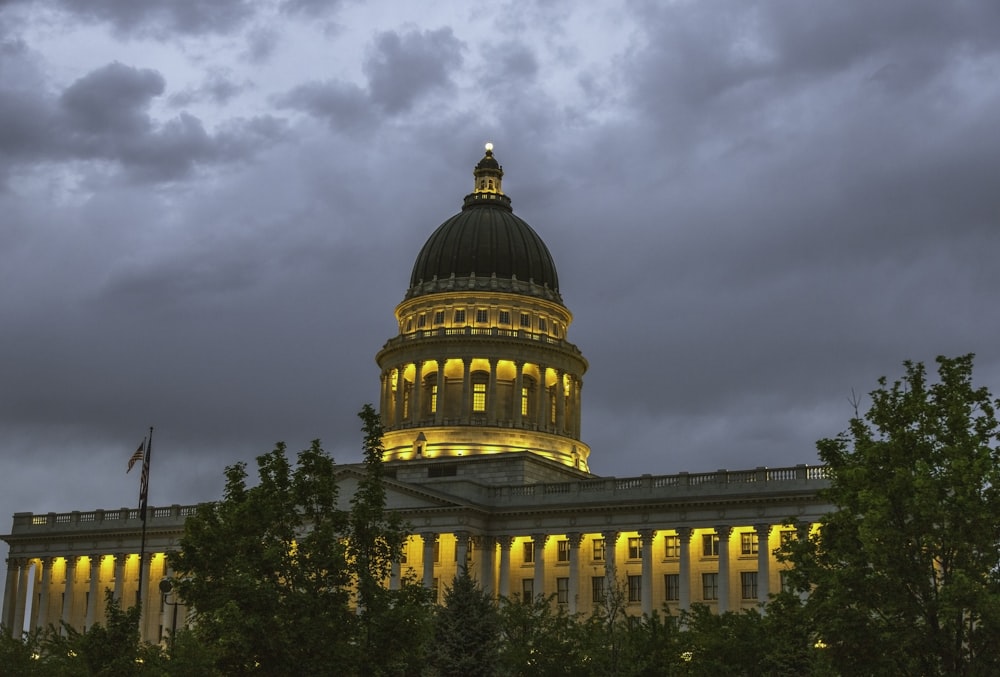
<point>481,396</point>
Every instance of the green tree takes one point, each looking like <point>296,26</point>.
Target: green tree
<point>466,631</point>
<point>903,576</point>
<point>266,569</point>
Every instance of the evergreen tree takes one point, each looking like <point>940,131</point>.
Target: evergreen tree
<point>466,631</point>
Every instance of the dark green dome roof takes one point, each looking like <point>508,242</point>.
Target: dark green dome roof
<point>485,240</point>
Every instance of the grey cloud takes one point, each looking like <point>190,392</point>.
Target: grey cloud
<point>310,8</point>
<point>112,100</point>
<point>343,105</point>
<point>218,88</point>
<point>404,67</point>
<point>162,18</point>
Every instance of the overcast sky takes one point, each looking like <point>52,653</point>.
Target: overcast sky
<point>210,208</point>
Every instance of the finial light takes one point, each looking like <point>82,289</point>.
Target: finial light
<point>489,146</point>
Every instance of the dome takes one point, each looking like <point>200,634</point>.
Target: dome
<point>485,240</point>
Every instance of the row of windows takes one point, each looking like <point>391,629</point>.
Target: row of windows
<point>482,315</point>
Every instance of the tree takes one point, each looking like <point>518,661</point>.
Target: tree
<point>266,569</point>
<point>466,631</point>
<point>903,577</point>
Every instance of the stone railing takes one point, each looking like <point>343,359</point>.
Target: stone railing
<point>170,516</point>
<point>489,332</point>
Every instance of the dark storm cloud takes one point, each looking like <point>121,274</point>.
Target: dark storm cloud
<point>310,8</point>
<point>404,67</point>
<point>343,105</point>
<point>112,100</point>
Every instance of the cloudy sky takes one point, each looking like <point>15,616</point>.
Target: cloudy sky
<point>210,208</point>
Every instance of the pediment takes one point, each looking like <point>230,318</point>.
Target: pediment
<point>398,495</point>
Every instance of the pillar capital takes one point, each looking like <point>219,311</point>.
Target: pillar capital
<point>723,531</point>
<point>574,538</point>
<point>647,536</point>
<point>505,542</point>
<point>539,539</point>
<point>610,536</point>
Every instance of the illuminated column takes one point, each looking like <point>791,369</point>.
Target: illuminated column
<point>429,539</point>
<point>22,598</point>
<point>491,397</point>
<point>684,594</point>
<point>95,578</point>
<point>518,388</point>
<point>610,558</point>
<point>574,570</point>
<point>538,585</point>
<point>646,540</point>
<point>394,574</point>
<point>486,545</point>
<point>578,405</point>
<point>438,413</point>
<point>723,530</point>
<point>10,592</point>
<point>416,413</point>
<point>461,551</point>
<point>119,576</point>
<point>560,394</point>
<point>166,610</point>
<point>43,603</point>
<point>504,583</point>
<point>398,408</point>
<point>67,606</point>
<point>383,380</point>
<point>143,578</point>
<point>466,389</point>
<point>541,406</point>
<point>763,562</point>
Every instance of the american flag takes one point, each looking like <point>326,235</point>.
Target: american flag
<point>137,456</point>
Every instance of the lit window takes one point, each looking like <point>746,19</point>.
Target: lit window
<point>434,398</point>
<point>482,315</point>
<point>709,587</point>
<point>409,324</point>
<point>748,584</point>
<point>635,588</point>
<point>635,548</point>
<point>439,317</point>
<point>524,401</point>
<point>527,590</point>
<point>504,317</point>
<point>672,586</point>
<point>748,543</point>
<point>787,536</point>
<point>597,589</point>
<point>542,325</point>
<point>460,316</point>
<point>437,552</point>
<point>562,590</point>
<point>562,551</point>
<point>526,320</point>
<point>710,545</point>
<point>479,397</point>
<point>402,554</point>
<point>598,549</point>
<point>422,321</point>
<point>529,552</point>
<point>671,547</point>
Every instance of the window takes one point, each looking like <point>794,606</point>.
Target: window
<point>482,315</point>
<point>709,586</point>
<point>460,316</point>
<point>504,317</point>
<point>542,324</point>
<point>409,324</point>
<point>479,397</point>
<point>635,588</point>
<point>635,548</point>
<point>748,543</point>
<point>598,549</point>
<point>672,586</point>
<point>562,590</point>
<point>710,545</point>
<point>597,589</point>
<point>748,584</point>
<point>524,400</point>
<point>671,547</point>
<point>434,398</point>
<point>526,320</point>
<point>527,590</point>
<point>439,317</point>
<point>402,553</point>
<point>422,321</point>
<point>437,553</point>
<point>529,552</point>
<point>562,551</point>
<point>786,582</point>
<point>787,536</point>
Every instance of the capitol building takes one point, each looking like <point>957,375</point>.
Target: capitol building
<point>481,396</point>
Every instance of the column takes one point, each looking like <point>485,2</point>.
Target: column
<point>578,405</point>
<point>429,538</point>
<point>394,574</point>
<point>397,414</point>
<point>20,605</point>
<point>684,572</point>
<point>120,577</point>
<point>723,530</point>
<point>461,551</point>
<point>67,606</point>
<point>504,584</point>
<point>486,545</point>
<point>518,387</point>
<point>466,389</point>
<point>92,601</point>
<point>560,394</point>
<point>165,612</point>
<point>538,586</point>
<point>43,603</point>
<point>646,541</point>
<point>610,559</point>
<point>10,593</point>
<point>574,570</point>
<point>438,413</point>
<point>383,380</point>
<point>541,406</point>
<point>491,393</point>
<point>416,412</point>
<point>763,563</point>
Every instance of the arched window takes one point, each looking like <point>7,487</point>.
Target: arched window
<point>430,395</point>
<point>480,379</point>
<point>527,396</point>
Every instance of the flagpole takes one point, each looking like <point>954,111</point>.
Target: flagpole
<point>143,497</point>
